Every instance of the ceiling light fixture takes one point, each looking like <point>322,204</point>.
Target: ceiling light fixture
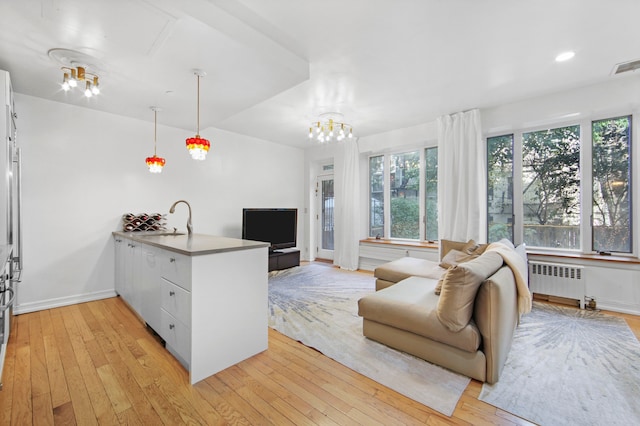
<point>565,56</point>
<point>197,146</point>
<point>330,126</point>
<point>73,76</point>
<point>155,163</point>
<point>78,70</point>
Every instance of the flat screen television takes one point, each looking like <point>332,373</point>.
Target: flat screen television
<point>278,227</point>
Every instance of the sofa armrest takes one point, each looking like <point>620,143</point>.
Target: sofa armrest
<point>496,315</point>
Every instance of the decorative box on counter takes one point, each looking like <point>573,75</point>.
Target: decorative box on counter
<point>143,222</point>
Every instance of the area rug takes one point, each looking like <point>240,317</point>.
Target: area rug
<point>570,367</point>
<point>318,306</point>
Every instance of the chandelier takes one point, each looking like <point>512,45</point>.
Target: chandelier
<point>78,70</point>
<point>330,126</point>
<point>197,146</point>
<point>155,163</point>
<point>74,77</point>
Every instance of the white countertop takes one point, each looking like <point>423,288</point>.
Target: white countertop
<point>194,245</point>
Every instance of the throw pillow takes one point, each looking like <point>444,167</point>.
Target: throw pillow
<point>459,288</point>
<point>522,251</point>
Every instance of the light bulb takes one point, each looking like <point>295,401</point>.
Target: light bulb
<point>65,82</point>
<point>95,88</point>
<point>72,80</point>
<point>87,91</point>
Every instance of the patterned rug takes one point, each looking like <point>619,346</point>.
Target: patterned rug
<point>318,305</point>
<point>570,367</point>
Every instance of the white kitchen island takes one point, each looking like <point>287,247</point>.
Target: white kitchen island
<point>206,296</point>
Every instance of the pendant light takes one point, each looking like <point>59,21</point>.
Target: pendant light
<point>155,163</point>
<point>197,146</point>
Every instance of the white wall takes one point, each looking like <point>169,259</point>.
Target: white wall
<point>83,169</point>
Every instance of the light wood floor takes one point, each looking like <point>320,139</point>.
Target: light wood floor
<point>95,363</point>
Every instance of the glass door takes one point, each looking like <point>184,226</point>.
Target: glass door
<point>325,216</point>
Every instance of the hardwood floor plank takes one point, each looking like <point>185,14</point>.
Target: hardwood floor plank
<point>57,381</point>
<point>82,408</point>
<point>39,374</point>
<point>6,394</point>
<point>114,391</point>
<point>103,407</point>
<point>42,410</point>
<point>63,415</point>
<point>22,408</point>
<point>96,363</point>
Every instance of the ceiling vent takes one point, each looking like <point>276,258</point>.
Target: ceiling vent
<point>626,66</point>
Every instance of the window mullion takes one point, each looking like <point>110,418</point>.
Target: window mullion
<point>586,186</point>
<point>422,196</point>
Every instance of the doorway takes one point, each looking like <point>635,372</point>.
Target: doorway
<point>325,216</point>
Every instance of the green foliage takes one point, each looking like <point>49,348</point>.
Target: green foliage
<point>611,184</point>
<point>551,160</point>
<point>405,213</point>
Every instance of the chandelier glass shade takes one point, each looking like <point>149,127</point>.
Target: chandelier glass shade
<point>155,163</point>
<point>198,146</point>
<point>329,127</point>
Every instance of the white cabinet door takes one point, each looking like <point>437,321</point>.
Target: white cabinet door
<point>132,267</point>
<point>176,268</point>
<point>176,301</point>
<point>120,244</point>
<point>177,337</point>
<point>149,287</point>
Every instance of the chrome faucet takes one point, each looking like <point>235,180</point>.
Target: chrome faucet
<point>173,210</point>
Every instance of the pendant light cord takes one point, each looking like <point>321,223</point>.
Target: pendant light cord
<point>155,130</point>
<point>198,124</point>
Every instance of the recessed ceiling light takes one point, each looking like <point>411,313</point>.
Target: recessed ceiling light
<point>565,56</point>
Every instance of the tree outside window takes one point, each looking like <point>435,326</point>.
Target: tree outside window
<point>500,188</point>
<point>551,187</point>
<point>405,196</point>
<point>611,217</point>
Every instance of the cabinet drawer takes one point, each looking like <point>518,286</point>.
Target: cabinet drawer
<point>177,336</point>
<point>176,301</point>
<point>177,269</point>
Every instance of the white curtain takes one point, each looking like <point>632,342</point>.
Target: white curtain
<point>462,178</point>
<point>347,207</point>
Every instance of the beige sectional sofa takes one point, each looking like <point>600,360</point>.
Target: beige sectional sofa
<point>468,328</point>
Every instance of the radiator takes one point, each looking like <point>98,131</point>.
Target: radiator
<point>555,279</point>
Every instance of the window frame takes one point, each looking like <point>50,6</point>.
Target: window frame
<point>421,150</point>
<point>586,179</point>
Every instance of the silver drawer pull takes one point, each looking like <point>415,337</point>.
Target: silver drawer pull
<point>172,260</point>
<point>171,326</point>
<point>172,293</point>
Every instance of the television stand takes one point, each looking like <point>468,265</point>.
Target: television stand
<point>283,259</point>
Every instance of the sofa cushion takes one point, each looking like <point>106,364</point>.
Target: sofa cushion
<point>455,257</point>
<point>459,287</point>
<point>406,267</point>
<point>411,305</point>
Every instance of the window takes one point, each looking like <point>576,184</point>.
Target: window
<point>500,188</point>
<point>402,190</point>
<point>376,196</point>
<point>611,215</point>
<point>553,198</point>
<point>551,187</point>
<point>404,195</point>
<point>431,193</point>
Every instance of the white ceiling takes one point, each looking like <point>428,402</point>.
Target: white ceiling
<point>273,66</point>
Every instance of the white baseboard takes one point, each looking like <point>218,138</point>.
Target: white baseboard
<point>617,307</point>
<point>25,308</point>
